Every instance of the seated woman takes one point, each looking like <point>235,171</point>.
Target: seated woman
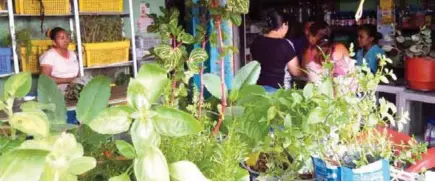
<point>368,37</point>
<point>275,54</point>
<point>59,63</point>
<point>320,43</point>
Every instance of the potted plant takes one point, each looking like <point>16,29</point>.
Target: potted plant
<point>419,58</point>
<point>103,41</point>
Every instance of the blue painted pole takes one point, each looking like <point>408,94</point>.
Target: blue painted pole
<point>212,64</point>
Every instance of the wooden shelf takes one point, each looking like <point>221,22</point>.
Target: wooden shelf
<point>110,65</point>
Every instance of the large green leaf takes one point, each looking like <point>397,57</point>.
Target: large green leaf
<point>150,165</point>
<point>113,120</point>
<point>22,165</point>
<point>247,75</point>
<point>7,144</point>
<point>125,149</point>
<point>212,83</point>
<point>18,85</point>
<point>254,129</point>
<point>49,93</point>
<point>248,92</point>
<point>81,165</point>
<point>327,88</point>
<point>136,95</point>
<point>93,99</point>
<point>35,106</point>
<point>186,38</point>
<point>186,171</point>
<point>122,177</point>
<point>168,54</point>
<point>240,6</point>
<point>176,123</point>
<point>142,134</point>
<point>32,123</point>
<point>236,19</point>
<point>308,90</point>
<point>318,115</point>
<point>150,83</point>
<point>198,55</point>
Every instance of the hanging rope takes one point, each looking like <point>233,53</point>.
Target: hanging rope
<point>359,12</point>
<point>42,13</point>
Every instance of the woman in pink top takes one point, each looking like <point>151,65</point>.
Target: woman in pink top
<point>59,63</point>
<point>320,42</point>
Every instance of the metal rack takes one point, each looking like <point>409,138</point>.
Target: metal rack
<point>74,22</point>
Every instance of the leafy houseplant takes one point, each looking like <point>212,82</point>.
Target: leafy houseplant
<point>148,121</point>
<point>174,56</point>
<point>51,155</point>
<point>419,55</point>
<point>317,119</point>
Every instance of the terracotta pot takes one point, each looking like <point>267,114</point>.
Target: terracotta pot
<point>420,73</point>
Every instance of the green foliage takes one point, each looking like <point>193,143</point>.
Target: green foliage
<point>172,122</point>
<point>240,6</point>
<point>126,149</point>
<point>151,158</point>
<point>33,123</point>
<point>49,93</point>
<point>95,29</point>
<point>112,120</point>
<point>22,164</point>
<point>150,123</point>
<point>212,83</point>
<point>185,170</point>
<point>247,75</point>
<point>93,99</point>
<point>122,177</point>
<point>18,85</point>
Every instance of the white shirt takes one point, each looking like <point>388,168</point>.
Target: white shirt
<point>61,67</point>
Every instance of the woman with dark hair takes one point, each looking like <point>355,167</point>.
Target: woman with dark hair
<point>275,54</point>
<point>320,44</point>
<point>59,63</point>
<point>368,38</point>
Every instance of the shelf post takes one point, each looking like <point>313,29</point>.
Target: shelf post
<point>13,38</point>
<point>133,37</point>
<point>78,36</point>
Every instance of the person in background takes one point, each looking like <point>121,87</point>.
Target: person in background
<point>274,53</point>
<point>298,35</point>
<point>368,38</point>
<point>59,63</point>
<point>320,41</point>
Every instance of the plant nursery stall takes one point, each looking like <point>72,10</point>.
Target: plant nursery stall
<point>170,90</point>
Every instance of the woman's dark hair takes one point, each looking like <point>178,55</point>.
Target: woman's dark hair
<point>321,30</point>
<point>51,33</point>
<point>371,31</point>
<point>275,19</point>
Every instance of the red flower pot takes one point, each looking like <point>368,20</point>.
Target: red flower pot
<point>420,73</point>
